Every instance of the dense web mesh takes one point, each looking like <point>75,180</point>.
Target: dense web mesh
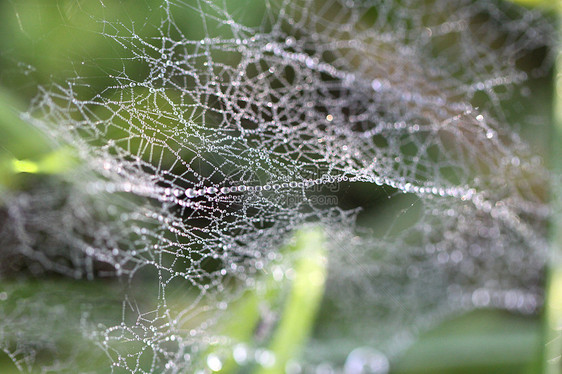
<point>194,174</point>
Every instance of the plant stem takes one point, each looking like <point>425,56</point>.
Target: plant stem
<point>302,302</point>
<point>299,296</point>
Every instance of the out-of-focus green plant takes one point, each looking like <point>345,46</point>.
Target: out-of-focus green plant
<point>294,285</point>
<point>552,4</point>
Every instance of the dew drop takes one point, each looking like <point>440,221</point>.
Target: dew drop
<point>265,358</point>
<point>366,360</point>
<point>240,354</point>
<point>214,363</point>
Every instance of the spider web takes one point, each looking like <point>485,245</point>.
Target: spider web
<point>214,138</point>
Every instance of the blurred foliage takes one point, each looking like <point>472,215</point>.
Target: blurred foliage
<point>549,4</point>
<point>483,342</point>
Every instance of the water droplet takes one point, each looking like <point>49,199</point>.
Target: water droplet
<point>214,363</point>
<point>277,273</point>
<point>240,354</point>
<point>481,297</point>
<point>325,368</point>
<point>293,367</point>
<point>265,358</point>
<point>170,365</point>
<point>366,360</point>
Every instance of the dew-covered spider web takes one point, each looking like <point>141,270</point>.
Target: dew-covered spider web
<point>214,131</point>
